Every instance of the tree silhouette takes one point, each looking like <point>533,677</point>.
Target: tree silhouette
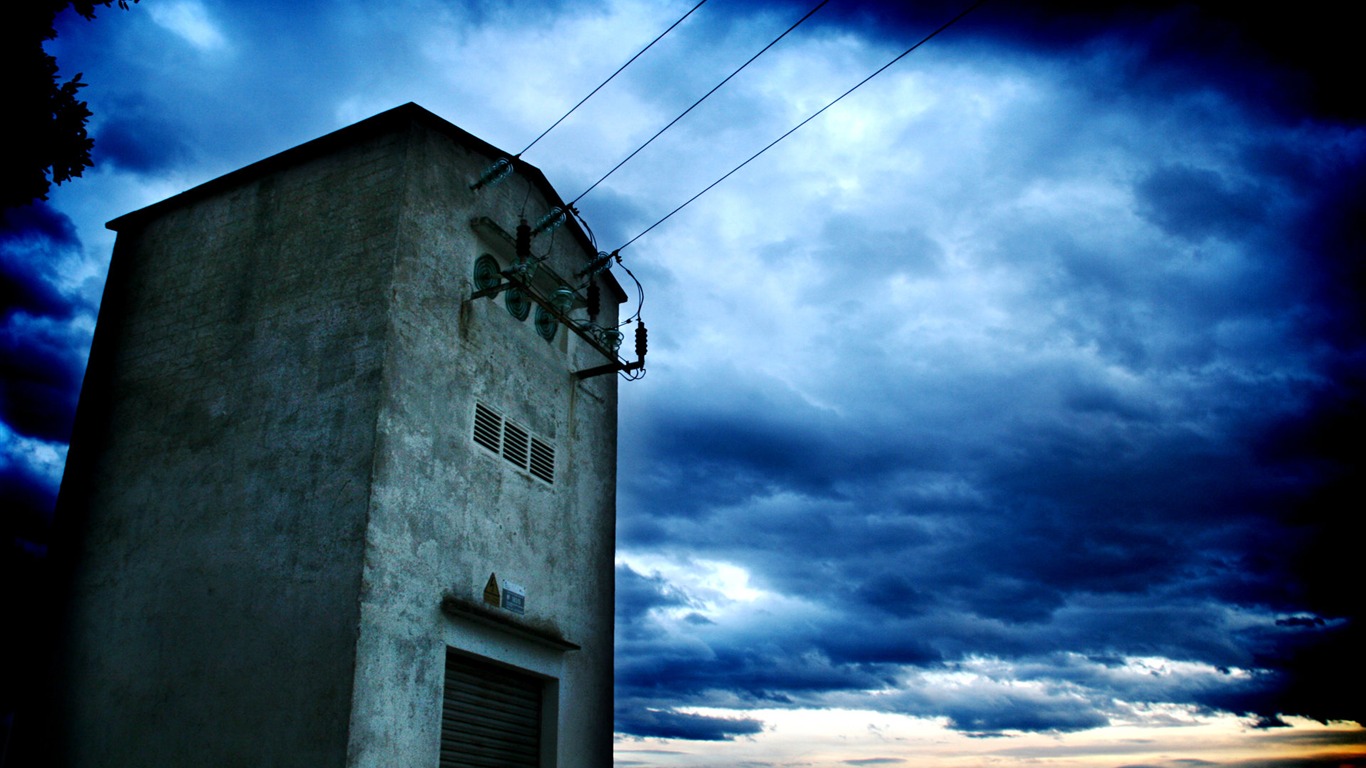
<point>47,140</point>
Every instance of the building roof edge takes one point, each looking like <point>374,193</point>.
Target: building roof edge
<point>384,122</point>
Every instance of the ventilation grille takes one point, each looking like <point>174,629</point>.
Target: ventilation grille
<point>488,427</point>
<point>542,460</point>
<point>514,443</point>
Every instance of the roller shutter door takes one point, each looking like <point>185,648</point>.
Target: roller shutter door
<point>490,716</point>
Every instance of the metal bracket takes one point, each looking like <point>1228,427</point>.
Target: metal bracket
<point>618,367</point>
<point>618,364</point>
<point>491,291</point>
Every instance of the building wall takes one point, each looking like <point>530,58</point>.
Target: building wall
<point>227,449</point>
<point>446,513</point>
<point>273,484</point>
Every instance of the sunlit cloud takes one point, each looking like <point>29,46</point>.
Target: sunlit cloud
<point>189,20</point>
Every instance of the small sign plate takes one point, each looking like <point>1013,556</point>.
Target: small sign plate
<point>514,597</point>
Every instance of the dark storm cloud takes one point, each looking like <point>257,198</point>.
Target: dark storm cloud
<point>616,219</point>
<point>887,646</point>
<point>1195,203</point>
<point>723,458</point>
<point>1313,675</point>
<point>1018,713</point>
<point>1331,234</point>
<point>1331,760</point>
<point>1041,500</point>
<point>657,667</point>
<point>137,137</point>
<point>668,724</point>
<point>853,650</point>
<point>1068,523</point>
<point>894,594</point>
<point>757,668</point>
<point>29,498</point>
<point>1060,692</point>
<point>41,351</point>
<point>637,595</point>
<point>1073,513</point>
<point>32,240</point>
<point>43,338</point>
<point>1283,63</point>
<point>40,378</point>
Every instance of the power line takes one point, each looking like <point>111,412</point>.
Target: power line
<point>609,79</point>
<point>793,130</point>
<point>699,101</point>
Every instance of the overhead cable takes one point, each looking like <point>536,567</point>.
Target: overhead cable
<point>608,80</point>
<point>793,130</point>
<point>699,101</point>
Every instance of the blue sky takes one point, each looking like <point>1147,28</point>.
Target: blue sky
<point>1002,413</point>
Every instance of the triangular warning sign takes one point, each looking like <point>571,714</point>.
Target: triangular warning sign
<point>492,594</point>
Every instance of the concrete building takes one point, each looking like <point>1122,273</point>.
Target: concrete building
<point>326,509</point>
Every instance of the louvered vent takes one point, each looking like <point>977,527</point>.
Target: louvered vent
<point>488,428</point>
<point>514,443</point>
<point>543,460</point>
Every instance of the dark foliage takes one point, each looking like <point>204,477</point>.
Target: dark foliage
<point>47,139</point>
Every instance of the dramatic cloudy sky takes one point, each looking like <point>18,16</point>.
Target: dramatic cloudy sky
<point>1003,415</point>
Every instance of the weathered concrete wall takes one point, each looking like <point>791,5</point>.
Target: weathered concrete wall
<point>215,615</point>
<point>275,482</point>
<point>447,513</point>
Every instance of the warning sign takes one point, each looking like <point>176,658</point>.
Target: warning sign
<point>493,595</point>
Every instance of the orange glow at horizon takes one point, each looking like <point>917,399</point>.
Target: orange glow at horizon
<point>1166,737</point>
